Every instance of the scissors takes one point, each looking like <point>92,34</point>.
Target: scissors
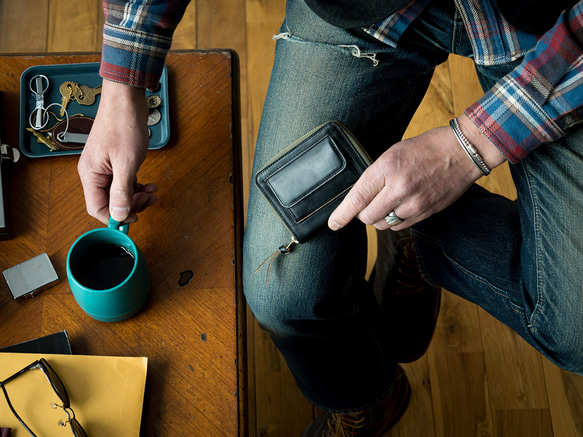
<point>39,85</point>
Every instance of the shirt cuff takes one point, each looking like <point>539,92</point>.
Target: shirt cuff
<point>133,57</point>
<point>512,120</point>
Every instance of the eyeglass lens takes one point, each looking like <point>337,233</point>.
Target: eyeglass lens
<point>55,382</point>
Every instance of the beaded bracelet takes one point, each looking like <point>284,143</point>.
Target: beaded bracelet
<point>468,148</point>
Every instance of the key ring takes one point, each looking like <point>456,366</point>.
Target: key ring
<point>61,135</point>
<point>39,85</point>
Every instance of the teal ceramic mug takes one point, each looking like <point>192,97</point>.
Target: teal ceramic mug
<point>108,274</point>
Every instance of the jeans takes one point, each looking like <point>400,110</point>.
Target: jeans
<point>519,260</point>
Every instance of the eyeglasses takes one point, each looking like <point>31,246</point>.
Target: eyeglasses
<point>59,389</point>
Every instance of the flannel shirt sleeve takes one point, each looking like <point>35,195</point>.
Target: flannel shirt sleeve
<point>542,98</point>
<point>137,36</point>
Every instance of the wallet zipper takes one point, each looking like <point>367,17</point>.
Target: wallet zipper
<point>291,146</point>
<point>361,151</point>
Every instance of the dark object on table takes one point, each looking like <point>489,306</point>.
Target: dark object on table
<point>57,343</point>
<point>8,155</point>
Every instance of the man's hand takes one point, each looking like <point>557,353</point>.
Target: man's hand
<point>416,178</point>
<point>115,149</point>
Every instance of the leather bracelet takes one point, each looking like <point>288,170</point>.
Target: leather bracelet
<point>468,148</point>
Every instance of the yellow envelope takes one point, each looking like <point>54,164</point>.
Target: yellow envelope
<point>106,394</point>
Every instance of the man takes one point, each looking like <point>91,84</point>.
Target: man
<point>368,64</point>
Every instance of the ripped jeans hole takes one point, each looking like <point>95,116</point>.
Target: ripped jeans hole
<point>356,52</point>
<point>282,35</point>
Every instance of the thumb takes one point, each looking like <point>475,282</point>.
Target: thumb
<point>120,197</point>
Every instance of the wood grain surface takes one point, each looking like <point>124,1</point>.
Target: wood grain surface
<point>190,333</point>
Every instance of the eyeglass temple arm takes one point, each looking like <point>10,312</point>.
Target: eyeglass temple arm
<point>20,372</point>
<point>12,408</point>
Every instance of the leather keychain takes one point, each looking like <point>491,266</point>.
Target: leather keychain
<point>75,135</point>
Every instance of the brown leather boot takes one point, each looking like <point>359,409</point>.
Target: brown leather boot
<point>411,306</point>
<point>372,422</point>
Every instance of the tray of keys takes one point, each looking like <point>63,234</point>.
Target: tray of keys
<point>58,104</point>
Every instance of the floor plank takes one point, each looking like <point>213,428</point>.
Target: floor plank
<point>515,369</point>
<point>523,423</point>
<point>565,400</point>
<point>418,420</point>
<point>460,394</point>
<point>17,38</point>
<point>186,33</point>
<point>85,27</point>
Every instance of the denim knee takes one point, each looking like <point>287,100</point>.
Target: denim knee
<point>276,302</point>
<point>319,280</point>
<point>309,285</point>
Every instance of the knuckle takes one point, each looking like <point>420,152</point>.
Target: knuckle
<point>366,218</point>
<point>403,188</point>
<point>357,200</point>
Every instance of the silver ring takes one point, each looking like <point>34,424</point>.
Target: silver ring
<point>392,219</point>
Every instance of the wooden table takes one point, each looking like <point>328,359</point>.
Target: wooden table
<point>193,334</point>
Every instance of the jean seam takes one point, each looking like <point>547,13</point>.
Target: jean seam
<point>422,268</point>
<point>456,37</point>
<point>538,258</point>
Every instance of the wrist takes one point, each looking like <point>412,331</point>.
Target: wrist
<point>121,95</point>
<point>122,105</point>
<point>490,154</point>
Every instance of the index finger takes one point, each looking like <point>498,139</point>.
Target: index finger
<point>357,199</point>
<point>96,197</point>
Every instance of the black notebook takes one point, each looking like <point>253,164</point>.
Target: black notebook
<point>57,343</point>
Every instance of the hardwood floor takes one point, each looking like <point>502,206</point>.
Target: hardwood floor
<point>478,377</point>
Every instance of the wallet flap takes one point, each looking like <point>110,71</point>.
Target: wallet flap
<point>306,172</point>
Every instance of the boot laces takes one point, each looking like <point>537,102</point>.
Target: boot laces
<point>410,279</point>
<point>346,425</point>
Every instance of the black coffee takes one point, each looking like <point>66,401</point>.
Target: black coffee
<point>104,266</point>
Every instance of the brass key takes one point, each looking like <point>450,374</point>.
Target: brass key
<point>68,90</point>
<point>86,95</point>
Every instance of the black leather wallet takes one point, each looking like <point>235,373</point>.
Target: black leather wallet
<point>309,179</point>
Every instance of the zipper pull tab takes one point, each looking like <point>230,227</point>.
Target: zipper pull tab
<point>282,249</point>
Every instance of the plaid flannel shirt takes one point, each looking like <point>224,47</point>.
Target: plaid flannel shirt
<point>536,103</point>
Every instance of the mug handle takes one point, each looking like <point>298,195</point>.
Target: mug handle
<point>114,224</point>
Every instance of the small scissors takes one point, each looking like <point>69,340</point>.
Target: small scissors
<point>39,85</point>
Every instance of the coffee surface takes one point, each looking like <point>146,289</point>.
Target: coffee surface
<point>103,266</point>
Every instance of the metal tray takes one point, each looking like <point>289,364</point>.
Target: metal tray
<point>84,74</point>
